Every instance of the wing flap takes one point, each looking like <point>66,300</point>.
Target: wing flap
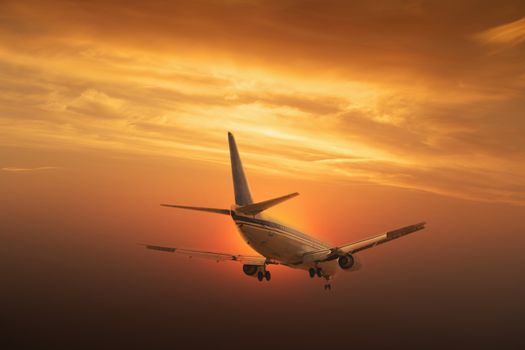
<point>379,239</point>
<point>163,249</point>
<point>244,259</point>
<point>367,243</point>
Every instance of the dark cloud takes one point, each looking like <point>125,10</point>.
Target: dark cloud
<point>431,38</point>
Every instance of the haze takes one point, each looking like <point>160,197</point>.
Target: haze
<point>380,114</point>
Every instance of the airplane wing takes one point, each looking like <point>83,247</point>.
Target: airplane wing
<point>244,259</point>
<point>371,242</point>
<point>367,243</point>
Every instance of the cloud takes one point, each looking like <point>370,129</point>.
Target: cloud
<point>354,39</point>
<point>510,34</point>
<point>453,181</point>
<point>24,170</point>
<point>380,92</point>
<point>97,104</point>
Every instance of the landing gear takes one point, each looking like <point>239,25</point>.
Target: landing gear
<point>260,276</point>
<point>326,274</point>
<point>328,286</point>
<point>315,271</point>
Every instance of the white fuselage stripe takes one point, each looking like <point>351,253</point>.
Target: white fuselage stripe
<point>286,234</point>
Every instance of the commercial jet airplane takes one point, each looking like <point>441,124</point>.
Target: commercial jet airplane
<point>277,243</point>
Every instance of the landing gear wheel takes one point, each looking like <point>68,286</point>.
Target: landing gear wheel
<point>268,275</point>
<point>318,272</point>
<point>328,286</point>
<point>311,271</point>
<point>260,276</point>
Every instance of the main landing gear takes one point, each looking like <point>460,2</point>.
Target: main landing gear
<point>264,275</point>
<point>258,271</point>
<point>319,273</point>
<point>315,271</point>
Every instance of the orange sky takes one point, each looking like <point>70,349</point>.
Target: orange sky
<point>386,93</point>
<point>380,114</point>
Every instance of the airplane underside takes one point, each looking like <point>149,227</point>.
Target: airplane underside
<point>286,250</point>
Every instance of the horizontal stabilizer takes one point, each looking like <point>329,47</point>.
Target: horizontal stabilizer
<point>256,208</point>
<point>209,210</point>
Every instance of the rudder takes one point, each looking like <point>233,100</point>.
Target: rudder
<point>240,184</point>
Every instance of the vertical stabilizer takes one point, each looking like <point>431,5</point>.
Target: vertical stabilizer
<point>240,185</point>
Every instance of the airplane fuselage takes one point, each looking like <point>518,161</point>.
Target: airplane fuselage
<point>280,243</point>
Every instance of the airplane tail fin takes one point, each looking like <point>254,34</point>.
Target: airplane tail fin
<point>240,184</point>
<point>256,208</point>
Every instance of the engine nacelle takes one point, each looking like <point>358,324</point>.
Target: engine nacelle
<point>250,270</point>
<point>346,261</point>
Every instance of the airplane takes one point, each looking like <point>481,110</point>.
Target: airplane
<point>276,242</point>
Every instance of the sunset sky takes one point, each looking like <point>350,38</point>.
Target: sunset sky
<point>380,113</point>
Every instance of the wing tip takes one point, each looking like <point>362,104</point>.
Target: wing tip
<point>160,248</point>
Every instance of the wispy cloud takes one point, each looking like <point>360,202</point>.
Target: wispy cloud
<point>24,170</point>
<point>396,111</point>
<point>511,34</point>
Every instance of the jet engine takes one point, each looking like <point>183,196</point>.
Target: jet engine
<point>250,270</point>
<point>346,261</point>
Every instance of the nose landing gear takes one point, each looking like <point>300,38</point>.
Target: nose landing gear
<point>328,286</point>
